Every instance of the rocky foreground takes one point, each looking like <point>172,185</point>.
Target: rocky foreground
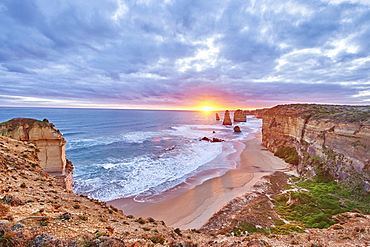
<point>35,211</point>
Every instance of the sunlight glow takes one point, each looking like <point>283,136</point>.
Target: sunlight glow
<point>207,109</point>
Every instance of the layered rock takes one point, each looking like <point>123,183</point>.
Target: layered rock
<point>227,119</point>
<point>257,113</point>
<point>50,143</point>
<point>332,141</point>
<point>240,116</point>
<point>217,117</point>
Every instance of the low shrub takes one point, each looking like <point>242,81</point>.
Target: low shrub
<point>158,239</point>
<point>248,228</point>
<point>289,154</point>
<point>316,204</point>
<point>4,210</point>
<point>8,238</point>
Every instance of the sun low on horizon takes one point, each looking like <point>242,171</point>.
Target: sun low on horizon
<point>207,109</point>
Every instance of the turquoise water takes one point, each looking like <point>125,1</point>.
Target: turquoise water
<point>139,153</point>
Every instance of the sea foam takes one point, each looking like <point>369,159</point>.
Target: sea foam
<point>170,157</point>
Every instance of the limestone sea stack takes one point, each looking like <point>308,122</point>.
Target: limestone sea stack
<point>237,129</point>
<point>227,119</point>
<point>240,116</point>
<point>50,143</point>
<point>217,117</point>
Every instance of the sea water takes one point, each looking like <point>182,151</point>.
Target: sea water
<point>141,153</point>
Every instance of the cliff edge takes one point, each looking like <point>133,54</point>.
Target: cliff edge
<point>332,142</point>
<point>50,143</point>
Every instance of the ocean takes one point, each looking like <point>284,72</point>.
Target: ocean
<point>141,153</point>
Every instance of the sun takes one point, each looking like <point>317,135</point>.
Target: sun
<point>207,109</point>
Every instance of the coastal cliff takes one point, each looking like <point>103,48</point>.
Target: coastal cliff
<point>50,143</point>
<point>332,142</point>
<point>36,211</point>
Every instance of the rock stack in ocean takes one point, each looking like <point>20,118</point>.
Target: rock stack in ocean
<point>240,116</point>
<point>237,129</point>
<point>217,117</point>
<point>227,119</point>
<point>211,140</point>
<point>50,143</point>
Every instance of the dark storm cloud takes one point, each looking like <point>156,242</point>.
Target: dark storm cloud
<point>177,53</point>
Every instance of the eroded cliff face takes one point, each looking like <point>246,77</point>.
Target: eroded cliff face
<point>50,143</point>
<point>330,140</point>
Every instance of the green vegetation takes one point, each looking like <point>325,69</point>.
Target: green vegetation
<point>289,154</point>
<point>44,221</point>
<point>313,204</point>
<point>248,228</point>
<point>337,113</point>
<point>8,238</point>
<point>158,239</point>
<point>358,143</point>
<point>287,228</point>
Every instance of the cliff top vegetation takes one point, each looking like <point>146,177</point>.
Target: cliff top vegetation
<point>336,113</point>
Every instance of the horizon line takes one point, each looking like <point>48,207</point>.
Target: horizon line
<point>142,109</point>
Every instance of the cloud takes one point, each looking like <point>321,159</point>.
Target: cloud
<point>236,53</point>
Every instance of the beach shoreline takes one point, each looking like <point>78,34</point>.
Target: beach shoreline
<point>192,208</point>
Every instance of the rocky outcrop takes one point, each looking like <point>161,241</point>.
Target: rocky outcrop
<point>257,113</point>
<point>237,129</point>
<point>254,208</point>
<point>331,141</point>
<point>217,117</point>
<point>240,116</point>
<point>227,119</point>
<point>50,143</point>
<point>211,140</point>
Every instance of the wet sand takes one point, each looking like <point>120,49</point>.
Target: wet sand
<point>192,209</point>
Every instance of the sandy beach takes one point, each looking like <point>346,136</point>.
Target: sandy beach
<point>192,209</point>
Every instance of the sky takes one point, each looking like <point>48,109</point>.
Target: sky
<point>184,54</point>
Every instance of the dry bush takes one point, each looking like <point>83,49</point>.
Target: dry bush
<point>4,210</point>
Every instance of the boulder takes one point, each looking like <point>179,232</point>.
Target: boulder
<point>217,140</point>
<point>205,139</point>
<point>240,116</point>
<point>211,140</point>
<point>227,119</point>
<point>237,129</point>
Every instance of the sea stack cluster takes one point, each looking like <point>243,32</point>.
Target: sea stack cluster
<point>239,116</point>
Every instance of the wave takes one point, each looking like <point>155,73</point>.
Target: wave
<point>166,164</point>
<point>148,175</point>
<point>131,137</point>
